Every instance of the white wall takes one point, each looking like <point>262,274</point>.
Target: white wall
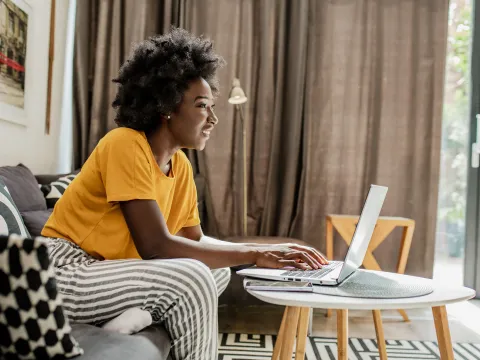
<point>29,144</point>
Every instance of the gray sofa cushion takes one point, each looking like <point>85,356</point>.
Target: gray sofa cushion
<point>23,187</point>
<point>35,220</point>
<point>99,344</point>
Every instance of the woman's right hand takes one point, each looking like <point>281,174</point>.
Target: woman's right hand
<point>279,256</point>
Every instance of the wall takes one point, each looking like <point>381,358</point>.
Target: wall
<point>29,144</point>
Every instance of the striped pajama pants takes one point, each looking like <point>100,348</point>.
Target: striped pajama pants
<point>181,294</point>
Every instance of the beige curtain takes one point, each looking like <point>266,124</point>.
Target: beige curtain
<point>105,31</point>
<point>342,94</point>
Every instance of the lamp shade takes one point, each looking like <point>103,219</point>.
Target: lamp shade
<point>237,95</point>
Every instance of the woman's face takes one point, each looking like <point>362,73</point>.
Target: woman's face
<point>194,119</point>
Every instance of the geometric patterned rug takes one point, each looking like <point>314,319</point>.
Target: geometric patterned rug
<point>260,347</point>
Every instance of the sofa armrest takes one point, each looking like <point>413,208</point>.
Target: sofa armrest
<point>45,179</point>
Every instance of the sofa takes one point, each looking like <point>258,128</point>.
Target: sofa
<point>97,343</point>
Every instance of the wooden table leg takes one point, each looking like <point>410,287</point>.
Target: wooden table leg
<point>278,344</point>
<point>443,332</point>
<point>342,334</point>
<point>288,337</point>
<point>382,348</point>
<point>302,333</point>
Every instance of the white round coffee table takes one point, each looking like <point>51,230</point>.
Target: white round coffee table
<point>296,316</point>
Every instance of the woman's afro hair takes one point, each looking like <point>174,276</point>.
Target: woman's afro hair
<point>153,80</point>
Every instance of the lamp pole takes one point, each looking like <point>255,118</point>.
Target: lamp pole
<point>237,97</point>
<point>245,185</point>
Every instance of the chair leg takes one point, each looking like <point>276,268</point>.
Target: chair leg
<point>302,333</point>
<point>404,315</point>
<point>382,348</point>
<point>329,248</point>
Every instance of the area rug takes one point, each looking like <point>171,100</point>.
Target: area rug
<point>250,346</point>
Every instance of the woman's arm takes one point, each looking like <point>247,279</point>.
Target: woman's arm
<point>196,233</point>
<point>191,232</point>
<point>154,241</point>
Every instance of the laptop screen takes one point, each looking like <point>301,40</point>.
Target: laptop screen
<point>364,230</point>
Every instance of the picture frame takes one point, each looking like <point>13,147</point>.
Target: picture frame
<point>15,39</point>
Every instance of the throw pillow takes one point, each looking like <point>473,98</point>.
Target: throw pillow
<point>10,219</point>
<point>35,221</point>
<point>32,322</point>
<point>56,189</point>
<point>23,187</point>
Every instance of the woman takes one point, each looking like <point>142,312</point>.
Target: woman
<point>121,235</point>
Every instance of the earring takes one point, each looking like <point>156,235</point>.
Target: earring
<point>168,117</point>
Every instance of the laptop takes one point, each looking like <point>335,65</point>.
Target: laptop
<point>336,271</point>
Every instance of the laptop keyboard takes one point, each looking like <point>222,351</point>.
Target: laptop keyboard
<point>315,274</point>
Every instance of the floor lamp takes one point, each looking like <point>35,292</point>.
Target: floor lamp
<point>237,97</point>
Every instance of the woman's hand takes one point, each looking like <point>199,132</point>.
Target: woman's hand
<point>281,255</point>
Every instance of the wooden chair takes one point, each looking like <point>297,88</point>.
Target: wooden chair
<point>345,226</point>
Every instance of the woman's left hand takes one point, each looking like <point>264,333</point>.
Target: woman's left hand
<point>314,253</point>
<point>317,255</point>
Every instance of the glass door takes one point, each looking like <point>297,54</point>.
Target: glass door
<point>472,238</point>
<point>452,198</point>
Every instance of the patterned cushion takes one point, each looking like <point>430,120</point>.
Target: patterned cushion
<point>32,322</point>
<point>10,219</point>
<point>55,189</point>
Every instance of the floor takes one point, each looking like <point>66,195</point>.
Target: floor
<point>463,317</point>
<point>463,320</point>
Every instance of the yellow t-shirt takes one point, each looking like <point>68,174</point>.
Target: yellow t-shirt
<point>122,167</point>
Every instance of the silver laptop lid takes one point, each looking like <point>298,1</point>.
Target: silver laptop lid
<point>364,230</point>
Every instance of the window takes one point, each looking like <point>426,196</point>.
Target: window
<point>21,30</point>
<point>11,21</point>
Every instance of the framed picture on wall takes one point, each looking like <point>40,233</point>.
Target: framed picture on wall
<point>14,26</point>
